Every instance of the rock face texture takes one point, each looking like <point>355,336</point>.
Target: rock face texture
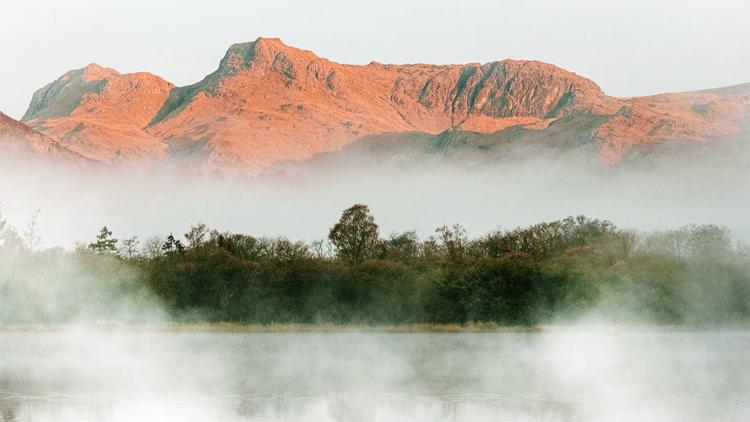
<point>18,141</point>
<point>268,102</point>
<point>101,114</point>
<point>692,116</point>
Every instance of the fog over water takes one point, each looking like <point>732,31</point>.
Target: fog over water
<point>580,372</point>
<point>650,334</point>
<point>587,375</point>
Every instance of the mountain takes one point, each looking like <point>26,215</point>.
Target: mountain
<point>18,142</point>
<point>269,103</point>
<point>101,113</point>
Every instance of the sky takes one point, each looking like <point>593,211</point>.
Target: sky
<point>635,47</point>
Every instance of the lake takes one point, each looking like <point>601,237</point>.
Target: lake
<point>89,375</point>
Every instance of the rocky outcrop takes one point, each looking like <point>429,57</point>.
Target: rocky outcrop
<point>101,113</point>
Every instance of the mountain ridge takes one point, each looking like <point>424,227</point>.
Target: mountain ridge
<point>268,102</point>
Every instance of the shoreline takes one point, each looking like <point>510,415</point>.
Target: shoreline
<point>359,328</point>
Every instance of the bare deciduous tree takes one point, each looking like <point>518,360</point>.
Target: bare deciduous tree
<point>30,235</point>
<point>197,235</point>
<point>129,248</point>
<point>152,247</point>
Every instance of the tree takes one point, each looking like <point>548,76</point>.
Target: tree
<point>708,240</point>
<point>31,237</point>
<point>400,247</point>
<point>129,247</point>
<point>581,230</point>
<point>496,244</point>
<point>243,246</point>
<point>320,249</point>
<point>692,240</point>
<point>429,248</point>
<point>284,250</point>
<point>196,236</point>
<point>355,236</point>
<point>173,246</point>
<point>152,249</point>
<point>105,243</point>
<point>453,240</point>
<point>10,240</point>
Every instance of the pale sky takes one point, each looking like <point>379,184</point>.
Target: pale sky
<point>632,47</point>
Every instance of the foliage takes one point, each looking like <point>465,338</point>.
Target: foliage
<point>105,243</point>
<point>554,271</point>
<point>355,235</point>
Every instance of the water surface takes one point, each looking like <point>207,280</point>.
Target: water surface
<point>556,376</point>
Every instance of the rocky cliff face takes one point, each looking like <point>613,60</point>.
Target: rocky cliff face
<point>269,102</point>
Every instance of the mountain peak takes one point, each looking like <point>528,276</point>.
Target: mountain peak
<point>238,57</point>
<point>92,72</point>
<point>95,72</point>
<point>271,42</point>
<point>61,97</point>
<point>98,105</point>
<point>261,53</point>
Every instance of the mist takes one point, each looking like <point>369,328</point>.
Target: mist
<point>519,275</point>
<point>423,192</point>
<point>84,339</point>
<point>560,376</point>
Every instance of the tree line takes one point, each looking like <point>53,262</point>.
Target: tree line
<point>548,272</point>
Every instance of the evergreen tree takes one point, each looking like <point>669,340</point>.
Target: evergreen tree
<point>173,246</point>
<point>105,243</point>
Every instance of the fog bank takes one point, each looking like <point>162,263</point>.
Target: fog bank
<point>414,195</point>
